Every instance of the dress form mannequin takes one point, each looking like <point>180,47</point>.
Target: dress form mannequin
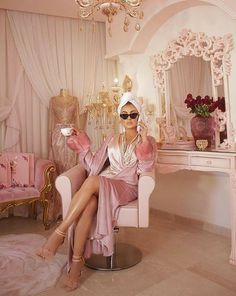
<point>63,112</point>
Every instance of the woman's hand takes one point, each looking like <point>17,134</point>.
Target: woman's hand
<point>78,140</point>
<point>76,132</point>
<point>143,130</point>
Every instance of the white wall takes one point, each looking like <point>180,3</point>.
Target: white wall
<point>203,196</point>
<point>197,195</point>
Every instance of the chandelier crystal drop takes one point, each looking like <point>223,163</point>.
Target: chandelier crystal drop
<point>110,8</point>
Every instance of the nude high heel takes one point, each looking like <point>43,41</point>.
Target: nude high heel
<point>73,284</point>
<point>45,252</point>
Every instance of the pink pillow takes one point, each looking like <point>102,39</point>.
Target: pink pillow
<point>5,172</point>
<point>22,168</point>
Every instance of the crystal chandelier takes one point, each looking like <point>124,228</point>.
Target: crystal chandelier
<point>110,8</point>
<point>101,111</point>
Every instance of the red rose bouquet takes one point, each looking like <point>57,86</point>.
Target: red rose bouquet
<point>204,106</point>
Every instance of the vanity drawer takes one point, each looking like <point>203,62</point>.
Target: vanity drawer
<point>172,158</point>
<point>224,163</point>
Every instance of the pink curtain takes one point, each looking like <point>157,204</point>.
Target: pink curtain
<point>44,54</point>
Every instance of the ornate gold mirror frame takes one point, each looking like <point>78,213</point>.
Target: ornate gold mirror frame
<point>216,50</point>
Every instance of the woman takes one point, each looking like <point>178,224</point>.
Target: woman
<point>129,153</point>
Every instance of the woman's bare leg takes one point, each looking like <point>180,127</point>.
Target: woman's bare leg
<point>79,202</point>
<point>81,234</point>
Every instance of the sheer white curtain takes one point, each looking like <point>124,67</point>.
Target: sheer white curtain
<point>188,75</point>
<point>52,53</point>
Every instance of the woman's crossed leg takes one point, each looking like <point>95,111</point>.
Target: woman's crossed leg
<point>88,192</point>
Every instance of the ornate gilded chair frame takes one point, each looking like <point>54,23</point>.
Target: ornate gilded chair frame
<point>46,195</point>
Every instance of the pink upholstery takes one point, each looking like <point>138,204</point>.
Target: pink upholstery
<point>40,188</point>
<point>17,193</point>
<point>135,214</point>
<point>23,172</point>
<point>68,183</point>
<point>41,165</point>
<point>5,172</point>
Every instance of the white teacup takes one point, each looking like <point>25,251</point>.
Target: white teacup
<point>67,131</point>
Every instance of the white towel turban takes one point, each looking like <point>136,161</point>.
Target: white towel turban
<point>129,97</point>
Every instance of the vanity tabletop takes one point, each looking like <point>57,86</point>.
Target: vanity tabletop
<point>180,148</point>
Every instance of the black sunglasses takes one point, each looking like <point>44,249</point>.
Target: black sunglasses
<point>126,115</point>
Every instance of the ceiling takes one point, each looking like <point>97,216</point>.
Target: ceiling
<point>66,8</point>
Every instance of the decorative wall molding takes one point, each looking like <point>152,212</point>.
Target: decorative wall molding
<point>213,49</point>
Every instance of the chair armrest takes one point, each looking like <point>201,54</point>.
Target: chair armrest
<point>68,183</point>
<point>146,186</point>
<point>44,170</point>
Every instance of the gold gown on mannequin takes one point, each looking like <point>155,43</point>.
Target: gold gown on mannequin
<point>63,112</point>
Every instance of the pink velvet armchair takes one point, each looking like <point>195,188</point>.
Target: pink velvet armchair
<point>135,214</point>
<point>40,190</point>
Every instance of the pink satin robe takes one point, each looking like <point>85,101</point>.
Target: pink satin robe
<point>117,183</point>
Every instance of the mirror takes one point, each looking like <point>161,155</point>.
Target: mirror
<point>198,64</point>
<point>188,75</point>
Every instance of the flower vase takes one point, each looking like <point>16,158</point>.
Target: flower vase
<point>203,128</point>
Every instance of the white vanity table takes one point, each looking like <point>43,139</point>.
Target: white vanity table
<point>195,63</point>
<point>169,161</point>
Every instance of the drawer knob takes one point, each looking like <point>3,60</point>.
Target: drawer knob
<point>209,162</point>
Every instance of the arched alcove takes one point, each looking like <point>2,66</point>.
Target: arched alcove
<point>155,16</point>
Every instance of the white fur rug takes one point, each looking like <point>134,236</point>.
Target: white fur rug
<point>22,273</point>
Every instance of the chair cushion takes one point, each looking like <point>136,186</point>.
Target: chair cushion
<point>18,193</point>
<point>128,215</point>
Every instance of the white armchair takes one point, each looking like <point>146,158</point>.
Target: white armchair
<point>135,214</point>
